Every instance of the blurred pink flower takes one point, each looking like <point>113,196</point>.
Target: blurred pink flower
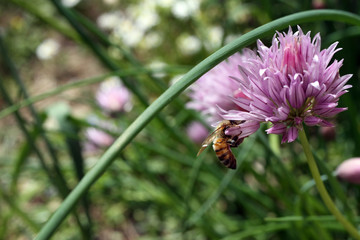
<point>98,137</point>
<point>349,170</point>
<point>318,4</point>
<point>288,84</point>
<point>113,97</point>
<point>216,88</point>
<point>197,132</point>
<point>328,133</point>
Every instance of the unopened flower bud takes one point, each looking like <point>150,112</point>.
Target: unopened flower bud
<point>328,133</point>
<point>349,170</point>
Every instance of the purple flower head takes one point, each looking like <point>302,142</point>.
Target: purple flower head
<point>216,88</point>
<point>349,170</point>
<point>290,83</point>
<point>197,132</point>
<point>113,97</point>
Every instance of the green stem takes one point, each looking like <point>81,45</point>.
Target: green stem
<point>86,82</point>
<point>47,17</point>
<point>274,143</point>
<point>9,199</point>
<point>322,190</point>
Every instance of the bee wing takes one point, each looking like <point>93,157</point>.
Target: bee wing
<point>208,140</point>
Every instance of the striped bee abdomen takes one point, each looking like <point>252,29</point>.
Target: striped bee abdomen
<point>223,152</point>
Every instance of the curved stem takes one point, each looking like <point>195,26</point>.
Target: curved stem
<point>322,190</point>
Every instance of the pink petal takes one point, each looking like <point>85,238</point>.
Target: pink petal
<point>277,128</point>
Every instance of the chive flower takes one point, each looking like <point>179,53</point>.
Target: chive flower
<point>98,138</point>
<point>197,132</point>
<point>97,135</point>
<point>113,97</point>
<point>289,83</point>
<point>216,88</point>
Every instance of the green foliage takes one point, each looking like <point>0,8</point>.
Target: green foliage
<point>149,183</point>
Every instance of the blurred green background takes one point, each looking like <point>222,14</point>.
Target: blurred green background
<point>157,188</point>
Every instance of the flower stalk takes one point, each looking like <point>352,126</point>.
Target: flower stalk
<point>322,190</point>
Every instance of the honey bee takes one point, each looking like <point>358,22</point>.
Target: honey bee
<point>222,143</point>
